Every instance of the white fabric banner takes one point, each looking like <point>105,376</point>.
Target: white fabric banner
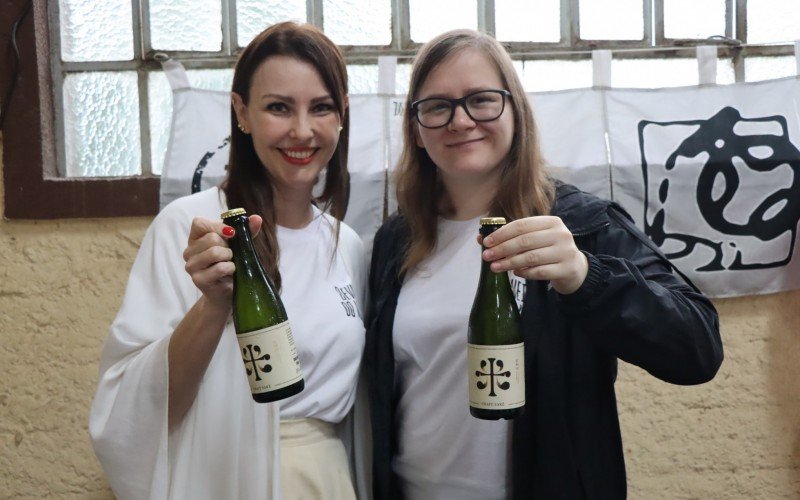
<point>710,173</point>
<point>572,132</point>
<point>197,151</point>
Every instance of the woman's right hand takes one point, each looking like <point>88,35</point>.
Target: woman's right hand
<point>208,258</point>
<point>208,262</point>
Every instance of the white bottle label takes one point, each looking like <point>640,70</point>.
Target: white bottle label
<point>270,358</point>
<point>496,376</point>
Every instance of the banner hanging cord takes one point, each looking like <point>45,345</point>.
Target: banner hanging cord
<point>15,69</point>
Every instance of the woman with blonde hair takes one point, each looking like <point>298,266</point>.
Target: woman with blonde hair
<point>591,288</point>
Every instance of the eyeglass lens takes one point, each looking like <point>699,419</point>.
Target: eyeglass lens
<point>481,106</point>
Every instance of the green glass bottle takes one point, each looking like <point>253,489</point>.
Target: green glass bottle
<point>262,326</point>
<point>495,349</point>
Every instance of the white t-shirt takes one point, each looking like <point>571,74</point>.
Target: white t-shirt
<point>444,452</point>
<point>227,445</point>
<point>322,304</point>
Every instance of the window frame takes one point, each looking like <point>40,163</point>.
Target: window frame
<point>33,188</point>
<point>33,132</point>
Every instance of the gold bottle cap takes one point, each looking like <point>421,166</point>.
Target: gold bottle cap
<point>233,213</point>
<point>493,221</point>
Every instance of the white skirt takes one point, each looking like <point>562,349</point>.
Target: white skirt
<point>314,463</point>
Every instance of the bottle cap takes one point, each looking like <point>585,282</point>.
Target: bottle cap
<point>233,213</point>
<point>493,221</point>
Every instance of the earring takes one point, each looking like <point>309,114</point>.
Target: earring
<point>341,128</point>
<point>241,127</point>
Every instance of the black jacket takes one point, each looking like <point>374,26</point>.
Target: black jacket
<point>567,443</point>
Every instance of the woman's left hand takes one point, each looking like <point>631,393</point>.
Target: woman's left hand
<point>538,248</point>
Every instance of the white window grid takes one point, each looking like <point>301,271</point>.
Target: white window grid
<point>732,45</point>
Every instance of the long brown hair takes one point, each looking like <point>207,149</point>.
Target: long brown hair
<point>248,184</point>
<point>525,188</point>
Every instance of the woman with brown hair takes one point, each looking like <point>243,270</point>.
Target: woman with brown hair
<point>590,287</point>
<point>173,416</point>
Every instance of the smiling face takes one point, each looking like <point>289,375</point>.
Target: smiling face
<point>293,121</point>
<point>465,150</point>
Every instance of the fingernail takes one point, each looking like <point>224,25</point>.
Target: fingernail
<point>228,232</point>
<point>488,241</point>
<point>488,254</point>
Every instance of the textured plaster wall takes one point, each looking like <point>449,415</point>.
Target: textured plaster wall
<point>61,283</point>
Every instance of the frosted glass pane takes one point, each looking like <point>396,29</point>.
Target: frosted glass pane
<point>653,73</point>
<point>101,124</point>
<point>358,22</point>
<point>186,25</point>
<point>657,73</point>
<point>544,75</point>
<point>160,108</point>
<point>402,78</point>
<point>694,18</point>
<point>611,19</point>
<point>528,20</point>
<point>429,19</point>
<point>362,79</point>
<point>96,31</point>
<point>773,21</point>
<point>519,67</point>
<point>767,68</point>
<point>211,79</point>
<point>254,16</point>
<point>160,105</point>
<point>725,72</point>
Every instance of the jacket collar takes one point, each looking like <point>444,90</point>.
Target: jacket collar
<point>582,213</point>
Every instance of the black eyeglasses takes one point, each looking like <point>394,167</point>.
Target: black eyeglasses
<point>481,106</point>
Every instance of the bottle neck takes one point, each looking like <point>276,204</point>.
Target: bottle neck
<point>488,277</point>
<point>244,251</point>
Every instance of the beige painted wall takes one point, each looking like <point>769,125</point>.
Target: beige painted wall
<point>61,283</point>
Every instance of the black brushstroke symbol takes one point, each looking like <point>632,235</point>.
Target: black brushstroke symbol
<point>198,171</point>
<point>251,355</point>
<point>492,374</point>
<point>774,216</point>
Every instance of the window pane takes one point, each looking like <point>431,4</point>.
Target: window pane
<point>159,97</point>
<point>254,16</point>
<point>657,73</point>
<point>544,75</point>
<point>358,22</point>
<point>725,72</point>
<point>211,79</point>
<point>101,124</point>
<point>611,19</point>
<point>767,68</point>
<point>528,20</point>
<point>429,19</point>
<point>653,73</point>
<point>773,20</point>
<point>402,78</point>
<point>519,68</point>
<point>96,31</point>
<point>362,79</point>
<point>694,18</point>
<point>186,25</point>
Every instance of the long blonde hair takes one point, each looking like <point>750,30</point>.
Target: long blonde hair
<point>525,189</point>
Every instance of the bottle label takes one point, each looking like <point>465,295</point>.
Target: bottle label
<point>496,376</point>
<point>270,358</point>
